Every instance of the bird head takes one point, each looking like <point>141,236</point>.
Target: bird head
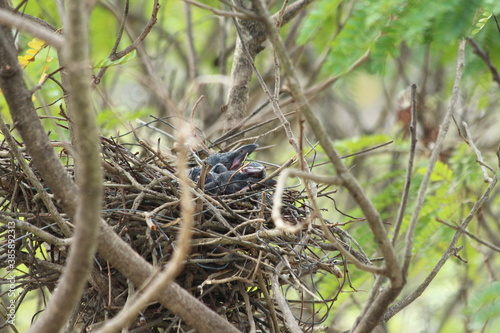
<point>232,160</point>
<point>254,170</point>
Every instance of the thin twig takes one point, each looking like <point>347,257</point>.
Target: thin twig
<point>34,180</point>
<point>219,12</point>
<point>409,168</point>
<point>270,303</point>
<point>43,235</point>
<point>120,54</point>
<point>470,142</point>
<point>486,58</point>
<point>474,237</point>
<point>445,125</point>
<point>290,320</point>
<point>451,250</point>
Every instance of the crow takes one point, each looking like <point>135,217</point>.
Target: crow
<point>232,181</point>
<point>215,172</point>
<point>231,161</point>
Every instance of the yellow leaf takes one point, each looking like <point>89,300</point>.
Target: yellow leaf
<point>26,59</point>
<point>36,44</point>
<point>32,52</point>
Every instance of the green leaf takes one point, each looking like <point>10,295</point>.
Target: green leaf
<point>123,60</point>
<point>482,22</point>
<point>485,305</point>
<point>320,18</point>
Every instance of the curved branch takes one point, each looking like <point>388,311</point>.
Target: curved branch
<point>161,281</point>
<point>393,268</point>
<point>8,17</point>
<point>486,59</point>
<point>343,173</point>
<point>113,56</point>
<point>282,226</point>
<point>88,175</point>
<point>111,246</point>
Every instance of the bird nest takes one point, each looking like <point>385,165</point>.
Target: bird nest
<point>237,264</point>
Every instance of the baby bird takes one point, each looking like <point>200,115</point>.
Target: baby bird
<point>231,161</point>
<point>232,181</point>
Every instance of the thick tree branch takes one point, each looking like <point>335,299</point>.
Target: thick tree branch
<point>254,35</point>
<point>111,246</point>
<point>9,18</point>
<point>162,280</point>
<point>342,172</point>
<point>88,175</point>
<point>27,123</point>
<point>374,313</point>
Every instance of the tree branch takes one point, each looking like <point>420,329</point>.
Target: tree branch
<point>409,168</point>
<point>7,17</point>
<point>111,246</point>
<point>449,251</point>
<point>445,125</point>
<point>253,32</point>
<point>290,321</point>
<point>161,281</point>
<point>393,270</point>
<point>88,175</point>
<point>486,58</point>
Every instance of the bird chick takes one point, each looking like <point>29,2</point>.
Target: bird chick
<point>233,181</point>
<point>231,160</point>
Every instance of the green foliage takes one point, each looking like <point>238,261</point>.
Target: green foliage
<point>441,201</point>
<point>381,26</point>
<point>112,119</point>
<point>102,33</point>
<point>482,22</point>
<point>484,306</point>
<point>123,60</point>
<point>358,144</point>
<point>466,168</point>
<point>356,37</point>
<point>46,9</point>
<point>319,22</point>
<point>441,172</point>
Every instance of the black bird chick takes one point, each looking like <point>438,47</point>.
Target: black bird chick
<point>230,182</point>
<point>215,172</point>
<point>231,161</point>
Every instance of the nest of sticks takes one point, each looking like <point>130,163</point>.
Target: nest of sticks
<point>238,261</point>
